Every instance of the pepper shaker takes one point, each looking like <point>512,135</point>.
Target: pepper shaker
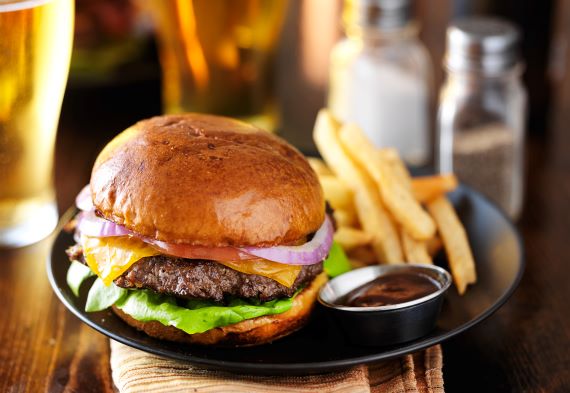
<point>480,125</point>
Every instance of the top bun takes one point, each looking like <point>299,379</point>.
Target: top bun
<point>207,180</point>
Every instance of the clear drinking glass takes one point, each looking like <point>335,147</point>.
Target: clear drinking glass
<point>217,56</point>
<point>35,51</point>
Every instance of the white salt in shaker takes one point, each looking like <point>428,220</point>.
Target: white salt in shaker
<point>480,124</point>
<point>381,77</point>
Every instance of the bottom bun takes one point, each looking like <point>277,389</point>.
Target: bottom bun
<point>250,332</point>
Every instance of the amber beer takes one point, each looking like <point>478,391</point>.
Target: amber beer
<point>217,56</point>
<point>35,50</point>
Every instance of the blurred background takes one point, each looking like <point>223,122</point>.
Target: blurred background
<point>116,78</point>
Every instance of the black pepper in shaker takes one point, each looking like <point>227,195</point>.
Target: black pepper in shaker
<point>482,110</point>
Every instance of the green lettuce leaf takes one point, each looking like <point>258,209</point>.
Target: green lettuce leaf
<point>198,316</point>
<point>76,275</point>
<point>101,296</point>
<point>195,316</point>
<point>336,263</point>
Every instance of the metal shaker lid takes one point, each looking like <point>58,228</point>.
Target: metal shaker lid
<point>376,14</point>
<point>487,45</point>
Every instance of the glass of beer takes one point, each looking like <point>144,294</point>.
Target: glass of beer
<point>217,56</point>
<point>35,51</point>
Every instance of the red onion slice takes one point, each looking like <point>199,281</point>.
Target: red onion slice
<point>90,224</point>
<point>83,200</point>
<point>307,254</point>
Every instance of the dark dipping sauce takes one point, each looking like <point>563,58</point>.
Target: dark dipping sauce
<point>390,289</point>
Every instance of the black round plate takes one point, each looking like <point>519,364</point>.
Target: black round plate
<point>321,346</point>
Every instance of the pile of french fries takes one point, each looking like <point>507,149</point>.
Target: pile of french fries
<point>383,215</point>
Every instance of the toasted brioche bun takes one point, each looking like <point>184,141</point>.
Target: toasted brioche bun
<point>250,332</point>
<point>209,181</point>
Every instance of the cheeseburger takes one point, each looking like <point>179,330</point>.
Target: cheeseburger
<point>203,229</point>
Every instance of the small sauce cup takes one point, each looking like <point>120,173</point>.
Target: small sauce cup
<point>385,324</point>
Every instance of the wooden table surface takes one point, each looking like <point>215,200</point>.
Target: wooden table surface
<point>525,346</point>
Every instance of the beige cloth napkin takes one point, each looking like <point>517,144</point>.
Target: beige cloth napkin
<point>135,371</point>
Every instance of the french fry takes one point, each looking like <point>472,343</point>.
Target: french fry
<point>427,188</point>
<point>319,166</point>
<point>350,238</point>
<point>357,263</point>
<point>369,207</point>
<point>391,156</point>
<point>415,251</point>
<point>396,196</point>
<point>434,245</point>
<point>376,220</point>
<point>337,193</point>
<point>345,218</point>
<point>455,242</point>
<point>364,254</point>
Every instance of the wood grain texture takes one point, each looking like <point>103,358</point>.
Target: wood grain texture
<point>44,347</point>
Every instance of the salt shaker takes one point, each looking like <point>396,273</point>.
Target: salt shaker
<point>480,125</point>
<point>381,77</point>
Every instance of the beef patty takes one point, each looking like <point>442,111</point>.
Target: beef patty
<point>191,278</point>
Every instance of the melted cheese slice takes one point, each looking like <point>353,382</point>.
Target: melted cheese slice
<point>282,273</point>
<point>109,257</point>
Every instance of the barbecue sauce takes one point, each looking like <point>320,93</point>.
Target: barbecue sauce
<point>389,290</point>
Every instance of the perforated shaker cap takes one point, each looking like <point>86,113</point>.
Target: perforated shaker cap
<point>487,45</point>
<point>376,14</point>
